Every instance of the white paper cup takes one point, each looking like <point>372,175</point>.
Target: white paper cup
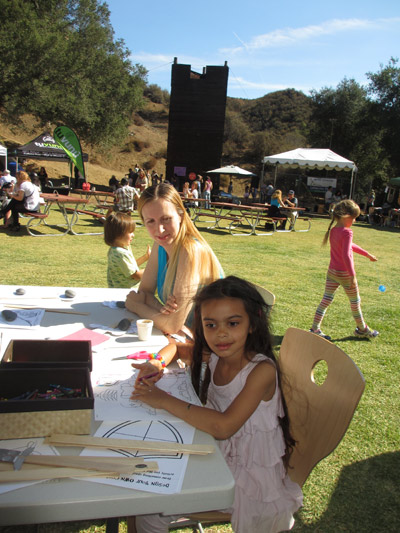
<point>144,328</point>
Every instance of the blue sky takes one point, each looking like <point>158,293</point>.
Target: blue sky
<point>268,45</point>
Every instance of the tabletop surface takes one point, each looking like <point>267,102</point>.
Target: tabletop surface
<point>208,483</point>
<point>61,199</point>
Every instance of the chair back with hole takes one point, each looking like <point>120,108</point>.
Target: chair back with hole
<point>319,413</point>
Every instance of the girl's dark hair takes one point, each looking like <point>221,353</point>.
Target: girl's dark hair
<point>117,224</point>
<point>259,341</point>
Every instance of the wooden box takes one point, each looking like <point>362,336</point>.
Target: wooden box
<point>47,354</point>
<point>38,417</point>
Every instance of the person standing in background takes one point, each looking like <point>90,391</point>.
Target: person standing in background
<point>208,186</point>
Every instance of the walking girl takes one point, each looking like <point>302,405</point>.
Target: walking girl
<point>341,268</point>
<point>245,409</point>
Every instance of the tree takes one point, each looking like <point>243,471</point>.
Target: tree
<point>60,62</point>
<point>343,119</point>
<point>385,88</point>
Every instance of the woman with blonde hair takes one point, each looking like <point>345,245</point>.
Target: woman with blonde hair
<point>181,261</point>
<point>25,198</point>
<point>185,190</point>
<point>276,203</point>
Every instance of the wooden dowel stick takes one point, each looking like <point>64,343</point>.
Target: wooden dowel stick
<point>122,465</point>
<point>48,310</point>
<point>128,444</point>
<point>14,476</point>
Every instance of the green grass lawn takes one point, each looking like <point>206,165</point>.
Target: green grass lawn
<point>356,489</point>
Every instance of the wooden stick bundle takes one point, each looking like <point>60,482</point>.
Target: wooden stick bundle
<point>64,467</point>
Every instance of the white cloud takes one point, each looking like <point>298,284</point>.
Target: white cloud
<point>292,36</point>
<point>238,82</point>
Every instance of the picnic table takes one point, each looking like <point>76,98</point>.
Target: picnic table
<point>244,220</point>
<point>100,196</point>
<point>70,215</point>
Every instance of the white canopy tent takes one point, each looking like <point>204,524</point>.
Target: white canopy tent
<point>311,158</point>
<point>3,155</point>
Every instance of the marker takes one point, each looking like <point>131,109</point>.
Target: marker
<point>149,376</point>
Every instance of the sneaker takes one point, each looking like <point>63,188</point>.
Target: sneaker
<point>367,332</point>
<point>320,334</point>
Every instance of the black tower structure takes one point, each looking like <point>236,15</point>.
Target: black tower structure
<point>196,120</point>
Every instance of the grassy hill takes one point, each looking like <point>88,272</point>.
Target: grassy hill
<point>274,123</point>
<point>146,144</point>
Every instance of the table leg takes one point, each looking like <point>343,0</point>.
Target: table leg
<point>112,525</point>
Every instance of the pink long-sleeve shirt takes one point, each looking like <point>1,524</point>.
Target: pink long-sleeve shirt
<point>342,248</point>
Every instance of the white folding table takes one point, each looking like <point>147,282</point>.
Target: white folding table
<point>208,483</point>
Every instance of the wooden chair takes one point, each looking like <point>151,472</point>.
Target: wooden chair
<point>319,414</point>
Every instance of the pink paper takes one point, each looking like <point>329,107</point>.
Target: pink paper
<point>85,334</point>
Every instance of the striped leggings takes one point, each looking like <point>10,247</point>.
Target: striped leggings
<point>334,279</point>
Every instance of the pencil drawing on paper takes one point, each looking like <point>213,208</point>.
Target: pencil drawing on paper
<point>158,430</point>
<point>114,402</point>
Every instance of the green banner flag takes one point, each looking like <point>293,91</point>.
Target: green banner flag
<point>70,143</point>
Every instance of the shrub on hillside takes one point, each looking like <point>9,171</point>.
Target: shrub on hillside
<point>155,94</point>
<point>137,120</point>
<point>140,145</point>
<point>128,147</point>
<point>151,163</point>
<point>161,153</point>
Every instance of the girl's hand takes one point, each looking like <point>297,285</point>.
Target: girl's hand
<point>148,251</point>
<point>372,258</point>
<point>148,369</point>
<point>147,392</point>
<point>170,305</point>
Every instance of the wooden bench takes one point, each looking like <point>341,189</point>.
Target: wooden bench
<point>35,219</point>
<point>274,221</point>
<point>34,214</point>
<point>217,218</point>
<point>93,214</point>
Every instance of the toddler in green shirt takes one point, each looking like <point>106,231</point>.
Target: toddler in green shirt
<point>123,270</point>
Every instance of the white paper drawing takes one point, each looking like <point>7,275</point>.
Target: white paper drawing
<point>113,402</point>
<point>172,466</point>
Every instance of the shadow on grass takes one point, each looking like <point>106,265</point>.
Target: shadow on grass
<point>353,338</point>
<point>366,498</point>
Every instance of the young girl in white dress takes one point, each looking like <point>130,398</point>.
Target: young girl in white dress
<point>245,409</point>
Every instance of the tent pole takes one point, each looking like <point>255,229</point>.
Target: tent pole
<point>276,171</point>
<point>351,184</point>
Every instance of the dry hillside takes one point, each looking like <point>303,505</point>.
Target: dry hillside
<point>145,145</point>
